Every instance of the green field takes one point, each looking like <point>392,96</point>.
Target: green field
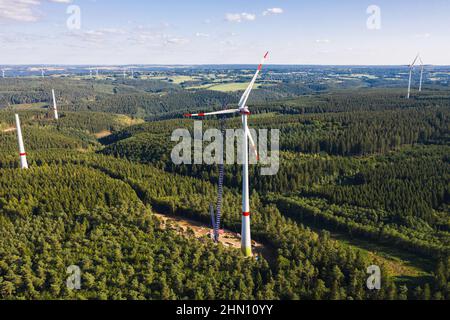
<point>181,79</point>
<point>225,87</point>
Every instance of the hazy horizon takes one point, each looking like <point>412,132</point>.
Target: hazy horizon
<point>175,32</point>
<point>92,65</point>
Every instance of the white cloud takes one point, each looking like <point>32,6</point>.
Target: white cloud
<point>202,35</point>
<point>171,40</point>
<point>18,10</point>
<point>154,37</point>
<point>9,38</point>
<point>88,36</point>
<point>271,11</point>
<point>22,10</point>
<point>113,31</point>
<point>422,35</point>
<point>98,36</point>
<point>239,17</point>
<point>322,41</point>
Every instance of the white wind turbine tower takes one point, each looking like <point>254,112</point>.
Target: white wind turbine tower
<point>411,67</point>
<point>22,153</point>
<point>246,245</point>
<point>421,73</point>
<point>55,109</point>
<point>42,73</point>
<point>3,73</point>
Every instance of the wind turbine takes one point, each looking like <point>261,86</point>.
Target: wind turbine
<point>55,109</point>
<point>3,73</point>
<point>411,67</point>
<point>246,245</point>
<point>421,73</point>
<point>22,153</point>
<point>42,73</point>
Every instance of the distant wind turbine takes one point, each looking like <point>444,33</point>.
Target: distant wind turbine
<point>411,67</point>
<point>421,73</point>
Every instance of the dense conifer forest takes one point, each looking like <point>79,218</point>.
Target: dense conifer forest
<point>364,179</point>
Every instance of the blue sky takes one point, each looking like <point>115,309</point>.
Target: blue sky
<point>232,31</point>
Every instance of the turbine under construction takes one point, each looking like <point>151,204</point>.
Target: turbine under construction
<point>246,245</point>
<point>22,153</point>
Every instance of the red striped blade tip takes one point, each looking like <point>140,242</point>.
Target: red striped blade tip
<point>194,115</point>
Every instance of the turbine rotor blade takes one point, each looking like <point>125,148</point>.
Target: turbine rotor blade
<point>247,91</point>
<point>203,114</point>
<point>252,143</point>
<point>414,62</point>
<point>421,62</point>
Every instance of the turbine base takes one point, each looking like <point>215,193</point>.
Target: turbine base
<point>247,251</point>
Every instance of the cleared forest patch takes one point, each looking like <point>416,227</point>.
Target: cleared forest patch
<point>200,231</point>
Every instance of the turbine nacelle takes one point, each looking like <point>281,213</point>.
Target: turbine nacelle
<point>244,110</point>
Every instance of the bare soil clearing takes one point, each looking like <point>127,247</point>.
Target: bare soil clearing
<point>228,238</point>
<point>102,134</point>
